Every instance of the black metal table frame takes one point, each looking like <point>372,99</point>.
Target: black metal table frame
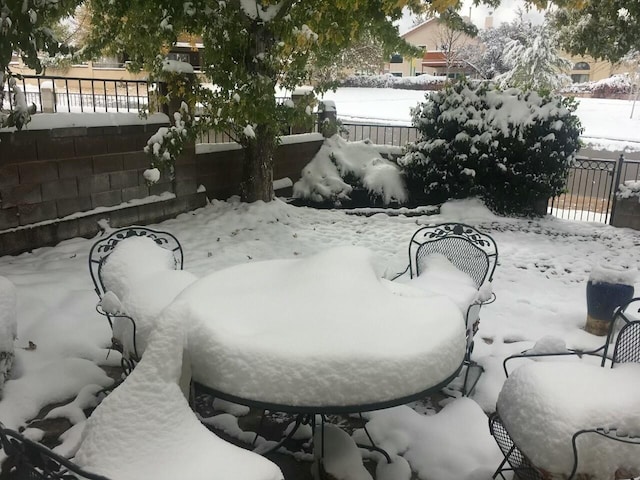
<point>306,414</point>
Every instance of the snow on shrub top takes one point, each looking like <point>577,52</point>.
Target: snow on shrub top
<point>630,188</point>
<point>419,82</point>
<point>339,166</point>
<point>504,112</point>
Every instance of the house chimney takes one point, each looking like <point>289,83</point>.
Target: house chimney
<point>488,22</point>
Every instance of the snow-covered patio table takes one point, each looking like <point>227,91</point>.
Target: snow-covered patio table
<point>320,334</point>
<point>543,404</point>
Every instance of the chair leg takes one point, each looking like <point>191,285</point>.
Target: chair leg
<point>471,380</point>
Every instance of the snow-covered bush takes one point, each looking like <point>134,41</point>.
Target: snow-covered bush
<point>419,82</point>
<point>167,143</point>
<point>340,167</point>
<point>511,148</point>
<point>619,84</point>
<point>8,305</point>
<point>629,189</point>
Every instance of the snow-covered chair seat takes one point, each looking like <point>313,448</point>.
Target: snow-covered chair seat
<point>136,272</point>
<point>8,327</point>
<point>575,418</point>
<point>146,429</point>
<point>474,255</point>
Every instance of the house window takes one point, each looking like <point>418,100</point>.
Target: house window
<point>581,66</point>
<point>395,58</point>
<point>396,74</point>
<point>180,57</point>
<point>580,77</point>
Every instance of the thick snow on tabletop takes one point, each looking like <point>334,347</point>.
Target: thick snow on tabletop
<point>323,330</point>
<point>146,429</point>
<point>538,405</point>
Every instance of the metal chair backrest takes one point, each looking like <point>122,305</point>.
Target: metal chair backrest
<point>29,460</point>
<point>627,341</point>
<point>469,250</point>
<point>101,250</point>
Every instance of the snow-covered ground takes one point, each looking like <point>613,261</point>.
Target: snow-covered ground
<point>540,286</point>
<point>607,123</point>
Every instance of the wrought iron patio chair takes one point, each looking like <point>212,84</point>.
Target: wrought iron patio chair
<point>29,460</point>
<point>515,461</point>
<point>624,333</point>
<point>471,252</point>
<point>98,256</point>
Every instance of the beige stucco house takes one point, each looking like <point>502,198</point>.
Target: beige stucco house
<point>441,46</point>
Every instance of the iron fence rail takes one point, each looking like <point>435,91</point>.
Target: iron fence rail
<point>591,188</point>
<point>391,135</point>
<point>69,94</point>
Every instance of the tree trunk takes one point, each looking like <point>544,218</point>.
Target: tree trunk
<point>257,167</point>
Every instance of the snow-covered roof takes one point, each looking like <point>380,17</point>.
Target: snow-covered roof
<point>418,27</point>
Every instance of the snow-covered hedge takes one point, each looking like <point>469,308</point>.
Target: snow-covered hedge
<point>618,84</point>
<point>8,305</point>
<point>629,189</point>
<point>511,148</point>
<point>340,167</point>
<point>419,82</point>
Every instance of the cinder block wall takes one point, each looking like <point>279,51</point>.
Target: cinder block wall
<point>627,213</point>
<point>49,177</point>
<point>50,174</point>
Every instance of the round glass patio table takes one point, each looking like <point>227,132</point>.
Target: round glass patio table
<point>323,334</point>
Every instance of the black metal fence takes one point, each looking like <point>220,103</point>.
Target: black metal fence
<point>391,135</point>
<point>591,188</point>
<point>67,94</point>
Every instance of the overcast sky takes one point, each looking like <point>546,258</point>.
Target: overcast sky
<point>506,12</point>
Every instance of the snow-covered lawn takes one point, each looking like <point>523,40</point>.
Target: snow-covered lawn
<point>540,286</point>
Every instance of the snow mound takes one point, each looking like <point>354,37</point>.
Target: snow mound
<point>340,166</point>
<point>146,429</point>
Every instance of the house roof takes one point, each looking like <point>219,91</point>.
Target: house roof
<point>418,27</point>
<point>434,59</point>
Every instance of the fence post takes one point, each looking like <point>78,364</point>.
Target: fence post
<point>616,185</point>
<point>48,97</point>
<point>327,118</point>
<point>301,95</point>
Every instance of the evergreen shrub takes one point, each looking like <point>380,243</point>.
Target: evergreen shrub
<point>511,148</point>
